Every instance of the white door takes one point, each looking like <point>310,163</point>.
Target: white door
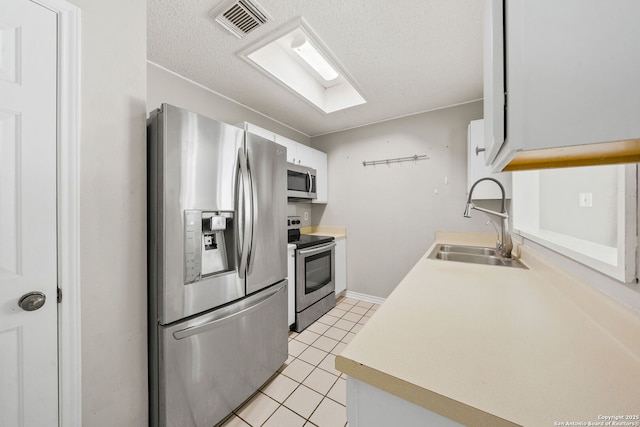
<point>28,339</point>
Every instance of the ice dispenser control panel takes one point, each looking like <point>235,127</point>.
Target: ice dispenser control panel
<point>205,243</point>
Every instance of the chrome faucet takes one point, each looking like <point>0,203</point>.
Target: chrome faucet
<point>504,244</point>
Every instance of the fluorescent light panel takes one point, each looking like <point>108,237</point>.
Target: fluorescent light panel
<point>295,58</point>
<point>311,56</point>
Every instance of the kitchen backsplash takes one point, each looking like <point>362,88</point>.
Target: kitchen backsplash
<point>303,210</point>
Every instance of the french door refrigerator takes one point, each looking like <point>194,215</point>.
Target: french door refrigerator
<point>217,266</point>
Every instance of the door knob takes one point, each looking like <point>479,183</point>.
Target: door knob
<point>32,301</point>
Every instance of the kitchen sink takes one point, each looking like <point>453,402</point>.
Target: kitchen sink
<point>474,250</point>
<point>473,255</point>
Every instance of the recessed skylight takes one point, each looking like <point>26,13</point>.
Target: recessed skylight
<point>295,57</point>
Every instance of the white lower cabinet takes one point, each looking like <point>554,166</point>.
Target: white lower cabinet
<point>291,276</point>
<point>341,266</point>
<point>369,406</point>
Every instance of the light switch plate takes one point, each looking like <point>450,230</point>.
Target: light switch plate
<point>585,200</point>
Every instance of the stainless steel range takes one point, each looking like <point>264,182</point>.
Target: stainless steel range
<point>315,274</point>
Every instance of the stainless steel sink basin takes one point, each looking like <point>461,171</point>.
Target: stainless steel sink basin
<point>473,254</point>
<point>475,250</point>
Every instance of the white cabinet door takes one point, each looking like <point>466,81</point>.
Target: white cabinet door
<point>292,147</point>
<point>305,155</point>
<point>573,72</point>
<point>291,277</point>
<point>476,167</point>
<point>319,163</point>
<point>341,266</point>
<point>28,236</point>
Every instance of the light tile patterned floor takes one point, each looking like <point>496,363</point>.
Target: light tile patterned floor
<point>308,391</point>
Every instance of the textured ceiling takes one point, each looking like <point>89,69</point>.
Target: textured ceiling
<point>407,56</point>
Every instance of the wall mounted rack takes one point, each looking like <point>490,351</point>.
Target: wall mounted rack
<point>396,160</point>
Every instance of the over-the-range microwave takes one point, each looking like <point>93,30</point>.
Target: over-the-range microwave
<point>301,182</point>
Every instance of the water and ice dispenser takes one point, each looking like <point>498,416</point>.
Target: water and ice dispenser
<point>208,243</point>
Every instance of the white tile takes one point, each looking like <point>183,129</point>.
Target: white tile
<point>344,306</point>
<point>348,337</point>
<point>351,301</point>
<point>329,364</point>
<point>284,417</point>
<point>298,370</point>
<point>338,349</point>
<point>357,328</point>
<point>352,317</point>
<point>339,391</point>
<point>258,409</point>
<point>344,324</point>
<point>325,343</point>
<point>318,328</point>
<point>303,401</point>
<point>234,421</point>
<point>286,363</point>
<point>358,310</point>
<point>307,336</point>
<point>296,347</point>
<point>279,388</point>
<point>329,414</point>
<point>337,312</point>
<point>364,320</point>
<point>335,333</point>
<point>313,355</point>
<point>364,304</point>
<point>328,319</point>
<point>320,380</point>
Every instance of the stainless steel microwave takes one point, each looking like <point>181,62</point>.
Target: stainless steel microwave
<point>301,182</point>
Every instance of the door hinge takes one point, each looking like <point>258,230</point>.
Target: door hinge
<point>59,295</point>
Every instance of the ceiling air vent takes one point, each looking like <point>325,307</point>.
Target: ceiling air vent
<point>239,16</point>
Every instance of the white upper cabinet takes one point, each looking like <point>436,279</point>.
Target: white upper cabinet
<point>476,167</point>
<point>292,147</point>
<point>299,154</point>
<point>305,156</point>
<point>561,83</point>
<point>319,163</point>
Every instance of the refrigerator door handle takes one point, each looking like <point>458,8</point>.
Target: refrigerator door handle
<point>253,216</point>
<point>244,235</point>
<point>242,309</point>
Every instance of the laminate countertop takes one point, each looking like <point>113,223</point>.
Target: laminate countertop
<point>338,233</point>
<point>499,346</point>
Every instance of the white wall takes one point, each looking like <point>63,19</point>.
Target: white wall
<point>560,211</point>
<point>392,212</point>
<point>113,213</point>
<point>166,86</point>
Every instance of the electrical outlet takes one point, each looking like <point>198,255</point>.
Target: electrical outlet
<point>585,200</point>
<point>306,216</point>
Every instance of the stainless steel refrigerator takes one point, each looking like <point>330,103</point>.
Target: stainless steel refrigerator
<point>217,261</point>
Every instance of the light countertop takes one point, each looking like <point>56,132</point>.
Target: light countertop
<point>498,346</point>
<point>338,233</point>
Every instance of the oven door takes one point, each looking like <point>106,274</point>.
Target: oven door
<point>315,274</point>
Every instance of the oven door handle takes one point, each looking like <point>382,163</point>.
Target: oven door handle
<point>316,249</point>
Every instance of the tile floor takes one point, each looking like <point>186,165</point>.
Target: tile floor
<point>308,391</point>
